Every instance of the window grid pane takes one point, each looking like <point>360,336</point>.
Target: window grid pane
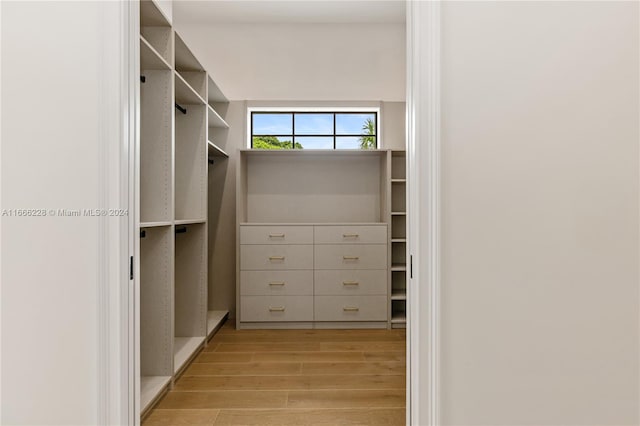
<point>314,130</point>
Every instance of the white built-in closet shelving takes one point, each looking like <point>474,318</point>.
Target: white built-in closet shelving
<point>398,240</point>
<point>180,107</point>
<point>347,209</point>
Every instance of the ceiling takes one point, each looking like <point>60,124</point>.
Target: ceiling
<point>204,12</point>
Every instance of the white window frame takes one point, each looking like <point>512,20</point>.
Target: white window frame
<point>326,109</point>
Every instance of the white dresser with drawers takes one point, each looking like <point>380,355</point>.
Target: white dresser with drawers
<point>313,275</point>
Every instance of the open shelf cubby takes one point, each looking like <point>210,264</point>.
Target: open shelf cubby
<point>339,186</point>
<point>399,283</point>
<point>156,30</point>
<point>399,226</point>
<point>398,165</point>
<point>398,198</point>
<point>190,291</point>
<point>398,253</point>
<point>150,58</point>
<point>156,311</point>
<point>156,95</point>
<point>398,313</point>
<point>191,163</point>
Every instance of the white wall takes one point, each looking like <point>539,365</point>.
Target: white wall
<point>336,62</point>
<point>540,189</point>
<point>59,60</point>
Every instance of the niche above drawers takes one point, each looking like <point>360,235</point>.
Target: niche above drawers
<point>313,275</point>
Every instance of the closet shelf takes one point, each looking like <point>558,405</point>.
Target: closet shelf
<point>185,60</point>
<point>215,120</point>
<point>398,181</point>
<point>215,319</point>
<point>189,221</point>
<point>215,95</point>
<point>154,224</point>
<point>399,267</point>
<point>398,240</point>
<point>399,319</point>
<point>183,349</point>
<point>185,94</point>
<point>151,16</point>
<point>150,388</point>
<point>310,152</point>
<point>400,295</point>
<point>216,151</point>
<point>150,59</point>
<point>398,213</point>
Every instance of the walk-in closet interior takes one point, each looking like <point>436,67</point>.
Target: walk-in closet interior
<point>272,278</point>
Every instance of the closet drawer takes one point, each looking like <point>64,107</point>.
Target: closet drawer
<point>350,234</point>
<point>271,283</point>
<point>350,256</point>
<point>350,308</point>
<point>351,282</point>
<point>276,308</point>
<point>269,257</point>
<point>278,234</point>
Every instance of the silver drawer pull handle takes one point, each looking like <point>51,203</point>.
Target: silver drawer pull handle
<point>350,235</point>
<point>350,283</point>
<point>276,308</point>
<point>351,309</point>
<point>276,235</point>
<point>276,257</point>
<point>350,257</point>
<point>276,283</point>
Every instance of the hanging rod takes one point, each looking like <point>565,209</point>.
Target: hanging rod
<point>181,109</point>
<point>181,230</point>
<point>143,233</point>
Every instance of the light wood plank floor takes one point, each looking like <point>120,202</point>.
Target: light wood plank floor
<point>291,377</point>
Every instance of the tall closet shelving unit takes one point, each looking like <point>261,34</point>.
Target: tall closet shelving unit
<point>178,101</point>
<point>398,240</point>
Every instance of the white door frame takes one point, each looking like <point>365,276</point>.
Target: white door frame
<point>423,207</point>
<point>119,47</point>
<point>118,387</point>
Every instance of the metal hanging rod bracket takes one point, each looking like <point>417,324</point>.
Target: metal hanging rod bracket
<point>143,79</point>
<point>181,230</point>
<point>143,233</point>
<point>181,109</point>
<point>210,161</point>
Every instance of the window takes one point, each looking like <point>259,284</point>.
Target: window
<point>314,129</point>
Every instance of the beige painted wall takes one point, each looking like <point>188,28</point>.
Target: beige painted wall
<point>289,62</point>
<point>540,213</point>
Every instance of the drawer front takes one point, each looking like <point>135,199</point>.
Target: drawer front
<point>351,282</point>
<point>273,283</point>
<point>276,234</point>
<point>350,234</point>
<point>276,308</point>
<point>275,257</point>
<point>350,308</point>
<point>350,256</point>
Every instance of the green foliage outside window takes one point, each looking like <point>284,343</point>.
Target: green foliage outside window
<point>272,142</point>
<point>368,128</point>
